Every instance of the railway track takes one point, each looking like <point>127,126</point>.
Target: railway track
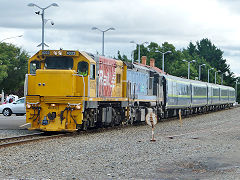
<point>17,140</point>
<point>28,138</point>
<point>23,139</point>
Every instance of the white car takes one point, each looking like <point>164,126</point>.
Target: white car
<point>16,107</point>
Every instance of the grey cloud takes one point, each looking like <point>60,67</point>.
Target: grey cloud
<point>133,19</point>
<point>232,5</point>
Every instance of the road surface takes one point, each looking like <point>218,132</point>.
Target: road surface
<point>12,122</point>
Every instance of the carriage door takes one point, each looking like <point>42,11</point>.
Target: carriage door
<point>92,80</point>
<point>82,79</point>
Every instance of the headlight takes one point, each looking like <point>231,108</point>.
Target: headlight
<point>28,106</point>
<point>78,107</point>
<point>53,105</point>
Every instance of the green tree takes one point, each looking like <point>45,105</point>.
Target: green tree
<point>122,57</point>
<point>214,56</point>
<point>13,68</point>
<point>204,52</point>
<point>119,55</point>
<point>143,52</point>
<point>3,71</point>
<point>191,49</point>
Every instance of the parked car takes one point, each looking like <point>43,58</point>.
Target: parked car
<point>16,107</point>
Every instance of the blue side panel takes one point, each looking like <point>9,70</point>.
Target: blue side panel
<point>215,100</point>
<point>231,100</point>
<point>171,101</point>
<point>199,101</point>
<point>139,85</point>
<point>178,102</point>
<point>143,97</point>
<point>138,80</point>
<point>224,100</point>
<point>186,101</point>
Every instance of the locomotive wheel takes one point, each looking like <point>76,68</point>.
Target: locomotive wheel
<point>85,125</point>
<point>130,121</point>
<point>114,118</point>
<point>131,118</point>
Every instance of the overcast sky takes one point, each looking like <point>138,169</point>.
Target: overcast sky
<point>174,21</point>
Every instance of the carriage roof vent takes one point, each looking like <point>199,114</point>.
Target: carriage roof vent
<point>152,62</point>
<point>144,60</point>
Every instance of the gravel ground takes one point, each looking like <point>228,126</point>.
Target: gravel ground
<point>9,126</point>
<point>204,147</point>
<point>11,122</point>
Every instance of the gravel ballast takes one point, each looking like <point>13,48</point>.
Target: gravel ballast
<point>204,147</point>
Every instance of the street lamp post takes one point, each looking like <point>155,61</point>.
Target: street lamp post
<point>43,20</point>
<point>132,56</point>
<point>189,66</point>
<point>2,100</point>
<point>236,89</point>
<point>216,76</point>
<point>208,73</point>
<point>199,75</point>
<point>163,58</point>
<point>103,31</point>
<point>11,38</point>
<point>139,48</point>
<point>222,79</point>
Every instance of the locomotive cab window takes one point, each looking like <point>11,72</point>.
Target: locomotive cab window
<point>92,71</point>
<point>82,68</point>
<point>59,63</point>
<point>34,65</point>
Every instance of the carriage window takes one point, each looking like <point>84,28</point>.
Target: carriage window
<point>83,68</point>
<point>232,93</point>
<point>224,93</point>
<point>200,91</point>
<point>34,65</point>
<point>92,71</point>
<point>188,90</point>
<point>59,63</point>
<point>216,92</point>
<point>150,82</point>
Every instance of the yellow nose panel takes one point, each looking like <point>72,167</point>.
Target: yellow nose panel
<point>54,82</point>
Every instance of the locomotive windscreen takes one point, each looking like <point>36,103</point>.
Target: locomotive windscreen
<point>59,62</point>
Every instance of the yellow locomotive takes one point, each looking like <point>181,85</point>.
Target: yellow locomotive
<point>71,90</point>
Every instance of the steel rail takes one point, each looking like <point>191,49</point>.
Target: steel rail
<point>24,139</point>
<point>21,136</point>
<point>17,140</point>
